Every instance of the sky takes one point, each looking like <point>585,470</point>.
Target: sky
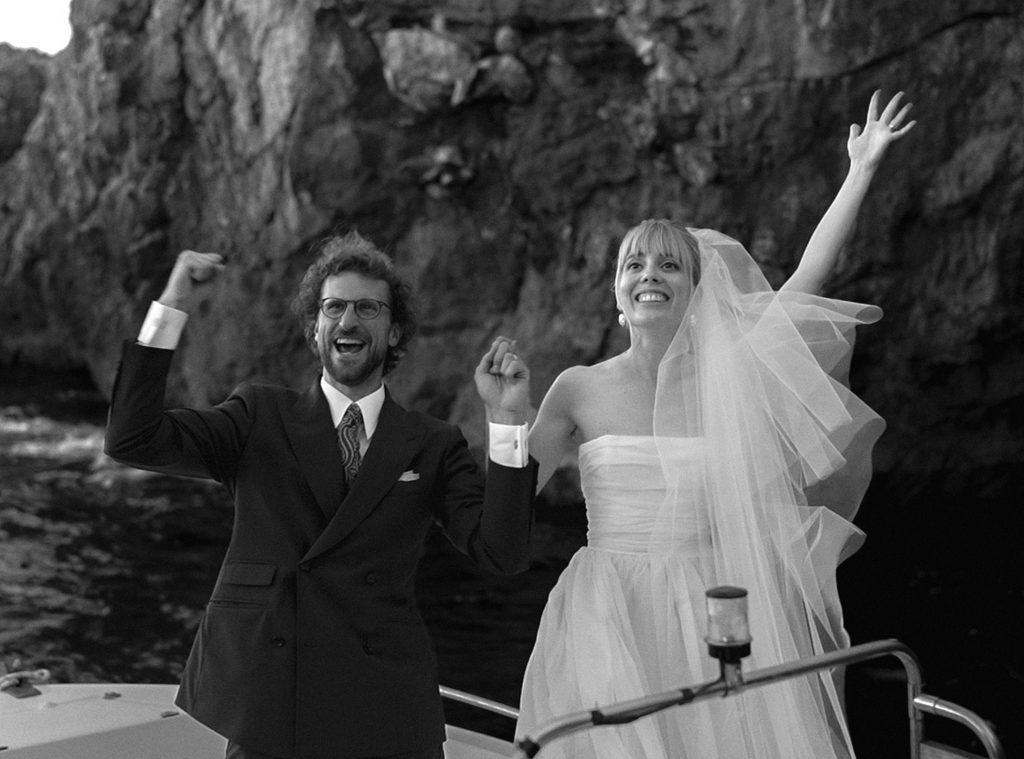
<point>42,24</point>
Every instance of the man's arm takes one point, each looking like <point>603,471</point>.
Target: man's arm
<point>140,432</point>
<point>168,314</point>
<point>503,383</point>
<point>493,524</point>
<point>496,536</point>
<point>187,442</point>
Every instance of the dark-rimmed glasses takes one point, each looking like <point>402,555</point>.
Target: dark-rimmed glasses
<point>366,308</point>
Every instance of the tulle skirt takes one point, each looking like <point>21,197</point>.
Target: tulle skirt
<point>619,626</point>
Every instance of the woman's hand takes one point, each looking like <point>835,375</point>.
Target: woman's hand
<point>503,383</point>
<point>867,146</point>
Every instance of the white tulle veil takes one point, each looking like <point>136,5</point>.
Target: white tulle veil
<point>760,378</point>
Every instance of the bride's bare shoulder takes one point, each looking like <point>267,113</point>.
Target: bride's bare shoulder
<point>580,377</point>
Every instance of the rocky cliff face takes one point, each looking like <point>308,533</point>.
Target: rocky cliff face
<point>500,149</point>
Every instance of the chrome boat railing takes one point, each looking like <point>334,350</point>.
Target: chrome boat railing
<point>481,703</point>
<point>947,709</point>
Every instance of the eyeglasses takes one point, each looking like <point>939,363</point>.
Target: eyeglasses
<point>366,308</point>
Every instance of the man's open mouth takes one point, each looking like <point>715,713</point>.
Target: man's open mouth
<point>348,345</point>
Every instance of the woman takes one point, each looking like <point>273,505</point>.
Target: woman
<point>707,451</point>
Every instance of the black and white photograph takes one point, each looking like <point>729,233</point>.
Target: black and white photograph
<point>571,379</point>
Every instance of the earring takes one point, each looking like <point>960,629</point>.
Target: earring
<point>622,319</point>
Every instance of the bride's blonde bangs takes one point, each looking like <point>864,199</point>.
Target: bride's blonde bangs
<point>662,237</point>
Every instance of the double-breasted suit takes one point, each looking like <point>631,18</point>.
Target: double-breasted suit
<point>312,643</point>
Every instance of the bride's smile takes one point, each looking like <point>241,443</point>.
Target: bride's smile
<point>651,296</point>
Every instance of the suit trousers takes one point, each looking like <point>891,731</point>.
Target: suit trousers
<point>234,751</point>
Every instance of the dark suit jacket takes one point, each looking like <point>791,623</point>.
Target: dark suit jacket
<point>312,643</point>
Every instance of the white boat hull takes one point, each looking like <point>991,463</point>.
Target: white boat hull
<point>115,721</point>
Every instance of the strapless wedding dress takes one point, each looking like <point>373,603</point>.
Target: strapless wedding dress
<point>627,618</point>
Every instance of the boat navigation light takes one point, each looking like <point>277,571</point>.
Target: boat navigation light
<point>728,635</point>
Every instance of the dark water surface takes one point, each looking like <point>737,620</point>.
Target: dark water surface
<point>104,573</point>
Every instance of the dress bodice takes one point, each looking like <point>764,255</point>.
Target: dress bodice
<point>624,484</point>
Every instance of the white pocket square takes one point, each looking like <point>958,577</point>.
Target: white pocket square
<point>409,476</point>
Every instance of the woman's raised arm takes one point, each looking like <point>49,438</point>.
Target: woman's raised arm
<point>866,147</point>
<point>551,433</point>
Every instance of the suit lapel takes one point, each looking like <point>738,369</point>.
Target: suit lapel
<point>315,444</point>
<point>395,442</point>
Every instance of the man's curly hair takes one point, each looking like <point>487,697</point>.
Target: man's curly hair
<point>353,252</point>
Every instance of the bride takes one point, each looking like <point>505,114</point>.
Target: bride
<point>708,453</point>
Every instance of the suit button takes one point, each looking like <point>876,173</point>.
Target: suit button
<point>368,648</point>
<point>370,578</point>
<point>306,566</point>
<point>277,642</point>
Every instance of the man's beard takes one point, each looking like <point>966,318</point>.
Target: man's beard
<point>352,373</point>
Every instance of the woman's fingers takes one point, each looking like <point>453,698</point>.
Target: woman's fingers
<point>896,125</point>
<point>889,112</point>
<point>895,121</point>
<point>498,357</point>
<point>891,118</point>
<point>873,106</point>
<point>902,131</point>
<point>486,364</point>
<point>504,356</point>
<point>511,365</point>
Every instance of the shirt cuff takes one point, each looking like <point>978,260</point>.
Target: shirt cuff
<point>508,444</point>
<point>163,326</point>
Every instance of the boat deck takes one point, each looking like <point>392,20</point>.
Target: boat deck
<point>112,721</point>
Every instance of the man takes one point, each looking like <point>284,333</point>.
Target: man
<point>312,645</point>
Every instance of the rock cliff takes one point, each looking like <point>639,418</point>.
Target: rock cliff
<point>499,150</point>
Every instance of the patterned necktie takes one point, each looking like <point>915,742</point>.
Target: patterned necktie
<point>348,441</point>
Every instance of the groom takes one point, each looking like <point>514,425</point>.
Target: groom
<point>311,644</point>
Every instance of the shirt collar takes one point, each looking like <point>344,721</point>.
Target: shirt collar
<point>370,405</point>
